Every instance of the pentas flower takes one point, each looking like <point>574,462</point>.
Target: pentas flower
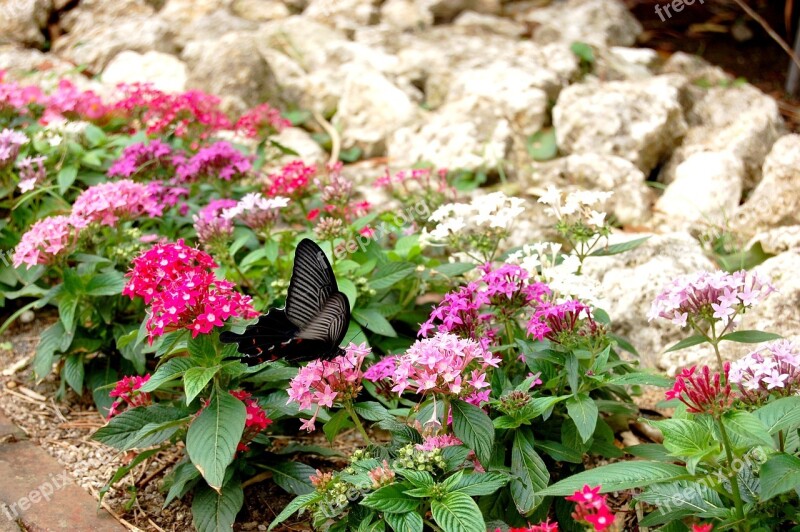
<point>576,206</point>
<point>322,383</point>
<point>31,172</point>
<point>383,369</point>
<point>255,422</point>
<point>591,508</point>
<point>127,394</point>
<point>178,283</point>
<point>337,195</point>
<point>416,178</point>
<point>445,364</point>
<point>16,99</point>
<point>771,370</point>
<point>703,299</point>
<point>544,526</point>
<point>218,161</point>
<point>703,392</point>
<point>256,212</point>
<point>566,323</point>
<point>708,527</point>
<point>211,226</point>
<point>108,203</point>
<point>47,239</point>
<point>291,181</point>
<point>10,143</point>
<point>381,475</point>
<point>438,442</point>
<point>261,121</point>
<point>68,101</point>
<point>144,160</point>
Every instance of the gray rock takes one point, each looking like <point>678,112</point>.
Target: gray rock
<point>631,281</point>
<point>641,121</point>
<point>632,198</point>
<point>622,63</point>
<point>484,23</point>
<point>447,10</point>
<point>181,13</point>
<point>402,15</point>
<point>777,240</point>
<point>260,10</point>
<point>231,68</point>
<point>343,14</point>
<point>776,200</point>
<point>598,22</point>
<point>213,26</point>
<point>301,142</point>
<point>39,68</point>
<point>22,21</point>
<point>164,71</point>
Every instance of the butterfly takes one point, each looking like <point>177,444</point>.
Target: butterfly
<point>311,325</point>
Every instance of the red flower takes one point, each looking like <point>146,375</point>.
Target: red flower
<point>255,422</point>
<point>591,508</point>
<point>702,528</point>
<point>127,391</point>
<point>702,392</point>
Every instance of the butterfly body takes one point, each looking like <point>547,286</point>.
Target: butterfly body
<point>311,325</point>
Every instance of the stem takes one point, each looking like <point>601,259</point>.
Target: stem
<point>737,496</point>
<point>445,413</point>
<point>357,422</point>
<point>715,344</point>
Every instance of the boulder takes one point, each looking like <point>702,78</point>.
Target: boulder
<point>164,71</point>
<point>481,23</point>
<point>213,26</point>
<point>22,21</point>
<point>601,23</point>
<point>343,14</point>
<point>403,15</point>
<point>777,240</point>
<point>301,142</point>
<point>260,10</point>
<point>621,63</point>
<point>447,10</point>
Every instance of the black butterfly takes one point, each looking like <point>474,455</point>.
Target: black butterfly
<point>311,325</point>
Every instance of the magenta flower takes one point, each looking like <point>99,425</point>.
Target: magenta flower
<point>16,99</point>
<point>211,226</point>
<point>127,393</point>
<point>771,370</point>
<point>218,161</point>
<point>108,203</point>
<point>10,143</point>
<point>382,369</point>
<point>256,419</point>
<point>703,392</point>
<point>291,181</point>
<point>261,121</point>
<point>437,442</point>
<point>143,160</point>
<point>563,323</point>
<point>591,508</point>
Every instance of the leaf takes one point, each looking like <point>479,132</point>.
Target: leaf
<point>294,477</point>
<point>641,378</point>
<point>617,477</point>
<point>584,51</point>
<point>684,437</point>
<point>106,284</point>
<point>212,437</point>
<point>203,351</point>
<point>298,503</point>
<point>372,411</point>
<point>74,372</point>
<point>66,177</point>
<point>779,474</point>
<point>559,452</point>
<point>696,497</point>
<point>542,146</point>
<point>530,471</point>
<point>457,512</point>
<point>583,412</point>
<point>124,428</point>
<point>407,522</point>
<point>781,414</point>
<point>622,247</point>
<point>124,470</point>
<point>337,423</point>
<point>473,427</point>
<point>49,343</point>
<point>196,379</point>
<point>748,427</point>
<point>182,477</point>
<point>67,305</point>
<point>391,273</point>
<point>390,499</point>
<point>373,320</point>
<point>452,269</point>
<point>169,370</point>
<point>750,337</point>
<point>687,342</point>
<point>480,483</point>
<point>216,512</point>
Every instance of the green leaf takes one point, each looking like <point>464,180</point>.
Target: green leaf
<point>750,337</point>
<point>584,51</point>
<point>66,177</point>
<point>373,320</point>
<point>196,379</point>
<point>616,249</point>
<point>542,145</point>
<point>169,370</point>
<point>559,452</point>
<point>94,135</point>
<point>212,437</point>
<point>390,499</point>
<point>74,372</point>
<point>298,503</point>
<point>650,451</point>
<point>391,273</point>
<point>419,479</point>
<point>216,512</point>
<point>530,471</point>
<point>583,412</point>
<point>203,351</point>
<point>182,477</point>
<point>781,414</point>
<point>779,474</point>
<point>452,269</point>
<point>686,438</point>
<point>124,470</point>
<point>372,411</point>
<point>408,522</point>
<point>687,342</point>
<point>473,427</point>
<point>617,477</point>
<point>642,379</point>
<point>457,512</point>
<point>695,497</point>
<point>748,427</point>
<point>480,483</point>
<point>293,477</point>
<point>337,423</point>
<point>49,343</point>
<point>106,284</point>
<point>67,305</point>
<point>124,428</point>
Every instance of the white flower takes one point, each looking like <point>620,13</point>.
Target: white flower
<point>596,219</point>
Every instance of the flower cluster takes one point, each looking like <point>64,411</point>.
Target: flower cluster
<point>261,121</point>
<point>31,172</point>
<point>212,227</point>
<point>445,364</point>
<point>218,161</point>
<point>705,298</point>
<point>15,99</point>
<point>410,457</point>
<point>10,143</point>
<point>107,203</point>
<point>291,181</point>
<point>67,101</point>
<point>703,392</point>
<point>591,508</point>
<point>438,442</point>
<point>255,211</point>
<point>143,160</point>
<point>127,393</point>
<point>771,370</point>
<point>336,193</point>
<point>577,207</point>
<point>45,240</point>
<point>566,323</point>
<point>255,422</point>
<point>178,283</point>
<point>381,475</point>
<point>323,382</point>
<point>544,526</point>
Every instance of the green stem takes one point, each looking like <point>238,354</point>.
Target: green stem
<point>737,496</point>
<point>445,413</point>
<point>715,343</point>
<point>349,408</point>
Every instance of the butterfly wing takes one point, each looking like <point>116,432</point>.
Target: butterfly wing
<point>259,340</point>
<point>311,285</point>
<point>329,325</point>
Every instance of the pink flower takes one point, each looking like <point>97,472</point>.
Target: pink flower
<point>107,203</point>
<point>703,392</point>
<point>256,212</point>
<point>211,226</point>
<point>771,370</point>
<point>10,143</point>
<point>144,160</point>
<point>68,101</point>
<point>438,442</point>
<point>702,528</point>
<point>218,161</point>
<point>127,393</point>
<point>383,369</point>
<point>591,508</point>
<point>46,240</point>
<point>255,422</point>
<point>31,172</point>
<point>291,181</point>
<point>563,323</point>
<point>261,121</point>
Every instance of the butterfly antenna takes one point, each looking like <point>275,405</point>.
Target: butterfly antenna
<point>356,334</point>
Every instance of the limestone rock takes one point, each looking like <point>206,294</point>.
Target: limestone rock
<point>447,10</point>
<point>777,240</point>
<point>405,15</point>
<point>260,10</point>
<point>598,22</point>
<point>21,21</point>
<point>164,71</point>
<point>301,142</point>
<point>343,14</point>
<point>213,26</point>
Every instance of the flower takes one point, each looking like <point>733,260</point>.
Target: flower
<point>383,369</point>
<point>261,121</point>
<point>46,240</point>
<point>591,508</point>
<point>31,172</point>
<point>67,101</point>
<point>211,225</point>
<point>325,382</point>
<point>218,161</point>
<point>564,323</point>
<point>178,283</point>
<point>16,99</point>
<point>10,143</point>
<point>127,391</point>
<point>381,475</point>
<point>703,528</point>
<point>438,442</point>
<point>444,364</point>
<point>291,181</point>
<point>704,299</point>
<point>256,211</point>
<point>576,206</point>
<point>107,203</point>
<point>256,419</point>
<point>143,159</point>
<point>703,392</point>
<point>771,370</point>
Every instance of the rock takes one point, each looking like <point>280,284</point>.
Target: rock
<point>343,14</point>
<point>35,67</point>
<point>482,23</point>
<point>99,30</point>
<point>777,240</point>
<point>621,63</point>
<point>213,26</point>
<point>706,189</point>
<point>301,142</point>
<point>776,199</point>
<point>632,198</point>
<point>601,23</point>
<point>403,15</point>
<point>741,120</point>
<point>22,21</point>
<point>181,13</point>
<point>165,71</point>
<point>446,10</point>
<point>695,68</point>
<point>641,121</point>
<point>260,10</point>
<point>371,108</point>
<point>631,281</point>
<point>231,68</point>
<point>303,40</point>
